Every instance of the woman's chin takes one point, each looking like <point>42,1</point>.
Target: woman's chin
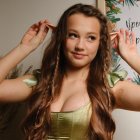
<point>76,65</point>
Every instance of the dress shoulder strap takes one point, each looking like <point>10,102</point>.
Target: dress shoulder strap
<point>30,82</point>
<point>114,77</point>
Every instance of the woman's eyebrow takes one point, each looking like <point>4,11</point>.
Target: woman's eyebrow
<point>72,30</point>
<point>92,33</point>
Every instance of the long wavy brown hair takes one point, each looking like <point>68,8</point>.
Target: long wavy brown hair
<point>38,122</point>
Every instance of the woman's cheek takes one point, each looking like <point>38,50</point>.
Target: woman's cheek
<point>70,44</point>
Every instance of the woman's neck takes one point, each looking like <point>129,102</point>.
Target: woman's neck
<point>76,73</point>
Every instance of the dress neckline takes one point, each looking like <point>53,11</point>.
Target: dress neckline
<point>72,111</point>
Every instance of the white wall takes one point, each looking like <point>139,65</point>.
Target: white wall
<point>127,124</point>
<point>17,15</point>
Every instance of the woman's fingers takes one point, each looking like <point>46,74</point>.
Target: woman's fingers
<point>113,35</point>
<point>127,37</point>
<point>114,39</point>
<point>50,24</point>
<point>133,38</point>
<point>44,26</point>
<point>42,31</point>
<point>37,32</point>
<point>40,26</point>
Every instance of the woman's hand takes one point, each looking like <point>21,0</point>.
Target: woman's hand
<point>36,34</point>
<point>127,44</point>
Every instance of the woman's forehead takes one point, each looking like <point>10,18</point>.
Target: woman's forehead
<point>82,22</point>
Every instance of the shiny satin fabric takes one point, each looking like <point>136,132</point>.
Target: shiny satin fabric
<point>72,125</point>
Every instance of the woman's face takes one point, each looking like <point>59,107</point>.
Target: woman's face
<point>82,42</point>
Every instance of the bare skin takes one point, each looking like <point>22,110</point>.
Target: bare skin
<point>81,48</point>
<point>30,41</point>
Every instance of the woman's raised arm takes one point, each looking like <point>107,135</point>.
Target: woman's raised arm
<point>16,89</point>
<point>30,41</point>
<point>127,94</point>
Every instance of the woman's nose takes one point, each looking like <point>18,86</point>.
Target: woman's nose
<point>80,44</point>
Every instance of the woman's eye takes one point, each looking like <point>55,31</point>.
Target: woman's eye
<point>72,35</point>
<point>91,38</point>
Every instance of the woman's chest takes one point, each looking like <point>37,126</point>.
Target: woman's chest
<point>72,125</point>
<point>72,96</point>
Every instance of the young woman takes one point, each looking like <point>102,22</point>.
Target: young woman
<point>70,97</point>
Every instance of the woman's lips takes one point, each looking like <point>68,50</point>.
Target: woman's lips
<point>78,55</point>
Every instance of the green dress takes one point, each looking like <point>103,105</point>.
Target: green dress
<point>73,125</point>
